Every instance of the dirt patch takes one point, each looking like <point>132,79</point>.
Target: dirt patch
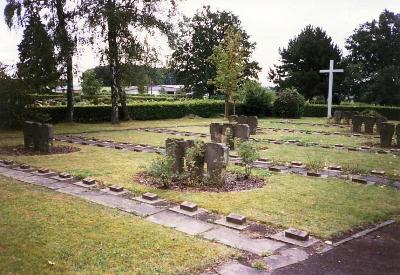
<point>233,182</point>
<point>20,150</point>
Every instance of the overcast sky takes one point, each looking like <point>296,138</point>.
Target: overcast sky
<point>270,23</point>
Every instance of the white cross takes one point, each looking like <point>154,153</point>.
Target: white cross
<point>330,71</point>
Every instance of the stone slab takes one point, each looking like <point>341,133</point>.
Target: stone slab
<point>286,257</point>
<point>180,222</point>
<point>235,239</point>
<point>235,268</point>
<point>72,190</point>
<point>69,180</point>
<point>280,236</point>
<point>108,191</point>
<point>84,185</point>
<point>151,202</point>
<point>177,209</point>
<point>225,223</point>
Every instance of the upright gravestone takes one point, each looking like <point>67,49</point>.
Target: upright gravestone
<point>176,148</point>
<point>216,159</point>
<point>252,121</point>
<point>386,134</point>
<point>216,132</point>
<point>28,129</point>
<point>337,115</point>
<point>379,121</point>
<point>398,134</point>
<point>346,116</point>
<point>46,135</point>
<point>369,124</point>
<point>242,131</point>
<point>242,119</point>
<point>357,123</point>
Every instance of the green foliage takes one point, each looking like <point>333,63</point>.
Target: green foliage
<point>289,103</point>
<point>302,59</point>
<point>140,110</point>
<point>91,86</point>
<point>195,43</point>
<point>372,113</point>
<point>194,156</point>
<point>257,101</point>
<point>248,152</point>
<point>161,169</point>
<point>37,62</point>
<point>373,74</point>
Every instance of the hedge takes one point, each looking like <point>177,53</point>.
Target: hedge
<point>320,110</point>
<point>138,111</point>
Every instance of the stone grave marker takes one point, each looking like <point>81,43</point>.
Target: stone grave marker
<point>346,116</point>
<point>233,118</point>
<point>216,159</point>
<point>357,123</point>
<point>337,115</point>
<point>297,234</point>
<point>252,121</point>
<point>398,135</point>
<point>369,124</point>
<point>216,132</point>
<point>386,134</point>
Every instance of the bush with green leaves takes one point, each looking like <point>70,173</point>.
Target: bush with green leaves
<point>257,101</point>
<point>91,86</point>
<point>194,159</point>
<point>161,169</point>
<point>248,152</point>
<point>289,104</point>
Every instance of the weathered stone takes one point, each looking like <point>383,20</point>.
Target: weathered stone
<point>313,174</point>
<point>228,135</point>
<point>369,124</point>
<point>378,172</point>
<point>335,167</point>
<point>398,134</point>
<point>296,163</point>
<point>242,119</point>
<point>386,134</point>
<point>43,170</point>
<point>25,166</point>
<point>241,131</point>
<point>65,175</point>
<point>236,219</point>
<point>359,179</point>
<point>216,158</point>
<point>346,116</point>
<point>89,181</point>
<point>337,115</point>
<point>116,188</point>
<point>216,132</point>
<point>252,121</point>
<point>234,267</point>
<point>150,196</point>
<point>286,257</point>
<point>188,206</point>
<point>28,130</point>
<point>297,234</point>
<point>357,123</point>
<point>379,121</point>
<point>176,148</point>
<point>233,118</point>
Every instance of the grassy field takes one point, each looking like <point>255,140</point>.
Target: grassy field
<point>43,232</point>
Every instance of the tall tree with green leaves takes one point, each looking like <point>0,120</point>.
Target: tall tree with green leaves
<point>120,24</point>
<point>60,21</point>
<point>195,44</point>
<point>229,60</point>
<point>374,60</point>
<point>37,62</point>
<point>301,61</point>
<point>91,86</point>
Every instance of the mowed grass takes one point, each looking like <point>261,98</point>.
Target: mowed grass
<point>324,207</point>
<point>43,232</point>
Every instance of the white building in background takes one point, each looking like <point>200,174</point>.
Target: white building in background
<point>63,90</point>
<point>155,90</point>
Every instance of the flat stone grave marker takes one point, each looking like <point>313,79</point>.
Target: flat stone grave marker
<point>297,234</point>
<point>296,163</point>
<point>64,177</point>
<point>234,221</point>
<point>86,182</point>
<point>188,208</point>
<point>150,198</point>
<point>353,149</point>
<point>115,189</point>
<point>313,174</point>
<point>281,236</point>
<point>45,172</point>
<point>278,168</point>
<point>335,167</point>
<point>339,145</point>
<point>359,179</point>
<point>25,168</point>
<point>378,172</point>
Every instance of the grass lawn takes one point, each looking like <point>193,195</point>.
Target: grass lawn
<point>46,232</point>
<point>324,207</point>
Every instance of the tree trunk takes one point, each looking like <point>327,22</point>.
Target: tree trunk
<point>226,108</point>
<point>121,93</point>
<point>112,58</point>
<point>67,50</point>
<point>70,90</point>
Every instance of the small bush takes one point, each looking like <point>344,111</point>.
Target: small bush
<point>289,104</point>
<point>257,101</point>
<point>248,153</point>
<point>161,169</point>
<point>194,157</point>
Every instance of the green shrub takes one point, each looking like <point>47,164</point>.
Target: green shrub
<point>248,153</point>
<point>289,104</point>
<point>161,169</point>
<point>194,157</point>
<point>257,101</point>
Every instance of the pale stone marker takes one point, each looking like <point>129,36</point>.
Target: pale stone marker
<point>330,71</point>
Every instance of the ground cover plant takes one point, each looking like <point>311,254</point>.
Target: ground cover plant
<point>326,207</point>
<point>47,232</point>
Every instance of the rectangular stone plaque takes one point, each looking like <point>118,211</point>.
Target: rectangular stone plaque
<point>297,234</point>
<point>236,219</point>
<point>188,206</point>
<point>116,188</point>
<point>150,196</point>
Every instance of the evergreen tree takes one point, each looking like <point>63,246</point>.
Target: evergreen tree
<point>37,62</point>
<point>304,57</point>
<point>195,44</point>
<point>374,60</point>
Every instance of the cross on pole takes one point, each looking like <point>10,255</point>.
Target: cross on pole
<point>330,71</point>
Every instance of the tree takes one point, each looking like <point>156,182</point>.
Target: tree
<point>120,25</point>
<point>37,62</point>
<point>91,86</point>
<point>228,59</point>
<point>195,44</point>
<point>374,56</point>
<point>304,56</point>
<point>59,15</point>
